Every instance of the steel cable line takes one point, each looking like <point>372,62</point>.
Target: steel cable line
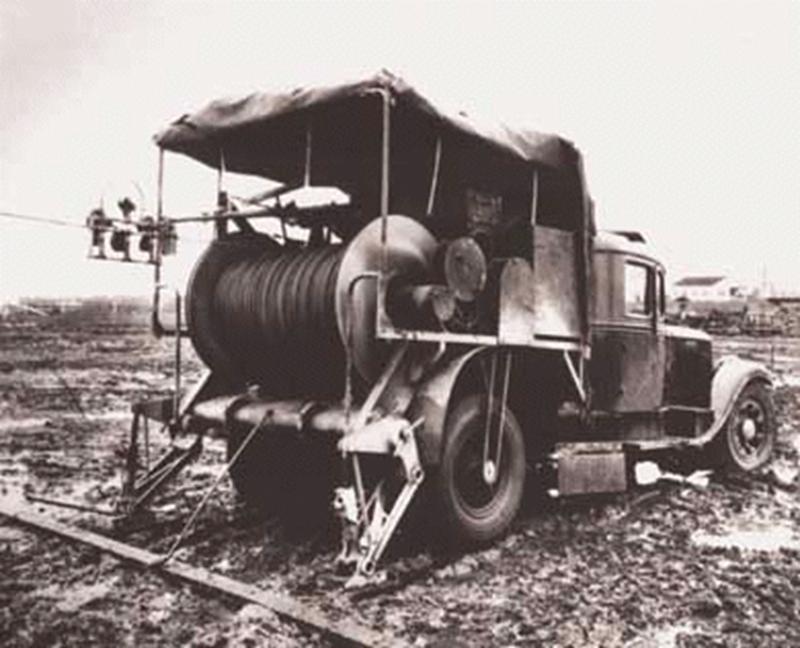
<point>40,219</point>
<point>67,223</point>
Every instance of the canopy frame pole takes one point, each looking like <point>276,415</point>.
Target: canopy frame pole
<point>437,159</point>
<point>155,325</point>
<point>534,210</point>
<point>220,174</point>
<point>385,154</point>
<point>221,226</point>
<point>587,232</point>
<point>534,195</point>
<point>307,166</point>
<point>386,105</point>
<point>160,188</point>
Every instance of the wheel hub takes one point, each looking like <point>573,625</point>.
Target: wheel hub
<point>749,437</point>
<point>489,472</point>
<point>749,429</point>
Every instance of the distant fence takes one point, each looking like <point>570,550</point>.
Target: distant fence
<point>758,318</point>
<point>131,312</point>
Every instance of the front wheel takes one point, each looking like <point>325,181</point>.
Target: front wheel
<point>748,438</point>
<point>478,505</point>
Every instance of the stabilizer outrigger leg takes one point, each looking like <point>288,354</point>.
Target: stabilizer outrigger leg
<point>138,490</point>
<point>369,521</point>
<point>169,412</point>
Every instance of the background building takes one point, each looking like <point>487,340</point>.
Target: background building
<point>707,288</point>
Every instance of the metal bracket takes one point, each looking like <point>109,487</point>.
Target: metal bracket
<point>491,467</point>
<point>576,375</point>
<point>348,392</point>
<point>380,387</point>
<point>367,525</point>
<point>137,492</point>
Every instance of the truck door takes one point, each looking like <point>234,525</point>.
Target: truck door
<point>626,369</point>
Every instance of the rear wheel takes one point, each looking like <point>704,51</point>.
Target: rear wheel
<point>748,439</point>
<point>478,507</point>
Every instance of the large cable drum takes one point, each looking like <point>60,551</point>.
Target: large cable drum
<point>259,312</point>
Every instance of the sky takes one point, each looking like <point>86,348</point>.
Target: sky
<point>687,113</point>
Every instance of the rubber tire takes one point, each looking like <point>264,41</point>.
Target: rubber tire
<point>722,451</point>
<point>460,524</point>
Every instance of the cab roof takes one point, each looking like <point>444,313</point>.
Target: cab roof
<point>622,243</point>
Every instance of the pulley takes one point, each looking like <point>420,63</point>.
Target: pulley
<point>465,268</point>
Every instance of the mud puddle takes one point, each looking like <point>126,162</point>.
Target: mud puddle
<point>751,537</point>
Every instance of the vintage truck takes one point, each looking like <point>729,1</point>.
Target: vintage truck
<point>457,323</point>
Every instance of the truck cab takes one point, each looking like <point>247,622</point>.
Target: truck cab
<point>654,376</point>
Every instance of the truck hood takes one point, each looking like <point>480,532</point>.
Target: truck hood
<point>686,333</point>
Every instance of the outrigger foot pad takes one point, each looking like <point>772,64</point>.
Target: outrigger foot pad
<point>361,581</point>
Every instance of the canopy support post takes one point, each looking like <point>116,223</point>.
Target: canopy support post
<point>155,325</point>
<point>437,159</point>
<point>220,175</point>
<point>223,205</point>
<point>386,105</point>
<point>307,169</point>
<point>385,136</point>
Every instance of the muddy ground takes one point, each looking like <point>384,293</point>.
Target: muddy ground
<point>673,564</point>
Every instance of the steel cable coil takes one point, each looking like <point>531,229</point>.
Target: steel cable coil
<point>269,316</point>
<point>263,313</point>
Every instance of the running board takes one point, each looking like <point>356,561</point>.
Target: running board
<point>602,466</point>
<point>591,472</point>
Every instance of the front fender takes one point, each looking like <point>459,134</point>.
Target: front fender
<point>431,403</point>
<point>731,375</point>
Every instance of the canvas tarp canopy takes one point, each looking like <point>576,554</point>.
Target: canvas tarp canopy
<point>218,126</point>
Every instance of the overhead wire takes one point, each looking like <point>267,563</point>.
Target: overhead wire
<point>41,219</point>
<point>62,222</point>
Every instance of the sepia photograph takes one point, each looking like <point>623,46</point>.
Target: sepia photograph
<point>400,323</point>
